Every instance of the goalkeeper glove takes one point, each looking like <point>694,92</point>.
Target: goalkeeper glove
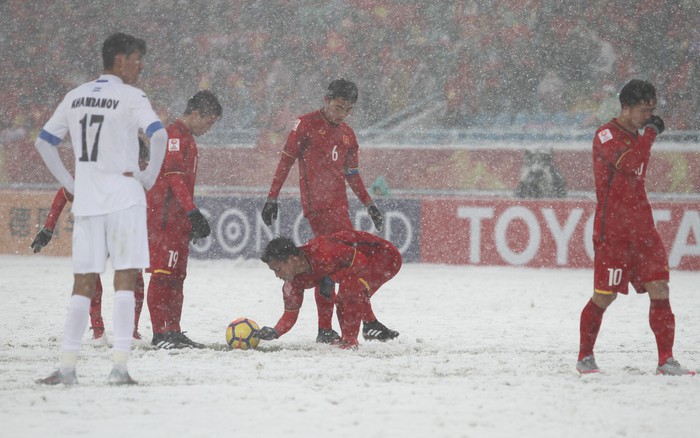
<point>41,239</point>
<point>269,211</point>
<point>376,216</point>
<point>657,124</point>
<point>200,226</point>
<point>267,334</point>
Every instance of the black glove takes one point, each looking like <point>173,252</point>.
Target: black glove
<point>376,216</point>
<point>657,124</point>
<point>326,287</point>
<point>42,238</point>
<point>200,226</point>
<point>269,211</point>
<point>267,334</point>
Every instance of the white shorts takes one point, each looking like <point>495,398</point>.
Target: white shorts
<point>122,236</point>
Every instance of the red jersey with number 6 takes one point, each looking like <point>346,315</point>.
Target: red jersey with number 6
<point>326,153</point>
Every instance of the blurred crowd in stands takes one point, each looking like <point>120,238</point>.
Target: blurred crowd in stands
<point>530,64</point>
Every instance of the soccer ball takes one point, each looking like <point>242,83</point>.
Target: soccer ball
<point>239,334</point>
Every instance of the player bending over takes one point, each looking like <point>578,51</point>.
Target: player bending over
<point>359,262</point>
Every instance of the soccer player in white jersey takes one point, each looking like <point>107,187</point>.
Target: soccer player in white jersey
<point>103,118</point>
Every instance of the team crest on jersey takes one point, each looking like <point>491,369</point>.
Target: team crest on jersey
<point>173,144</point>
<point>627,141</point>
<point>604,135</point>
<point>322,131</point>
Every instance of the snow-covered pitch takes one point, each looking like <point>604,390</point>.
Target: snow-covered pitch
<point>483,352</point>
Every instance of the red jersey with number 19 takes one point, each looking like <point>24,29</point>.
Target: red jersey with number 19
<point>170,199</point>
<point>620,160</point>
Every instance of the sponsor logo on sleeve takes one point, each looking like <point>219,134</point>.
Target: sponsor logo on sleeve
<point>605,135</point>
<point>173,144</point>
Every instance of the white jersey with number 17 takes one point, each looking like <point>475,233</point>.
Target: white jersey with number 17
<point>103,118</point>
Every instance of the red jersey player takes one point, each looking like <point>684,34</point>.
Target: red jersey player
<point>361,262</point>
<point>327,152</point>
<point>173,219</point>
<point>43,237</point>
<point>627,246</point>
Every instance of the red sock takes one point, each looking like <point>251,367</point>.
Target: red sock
<point>349,303</point>
<point>663,324</point>
<point>324,306</point>
<point>367,312</point>
<point>591,318</point>
<point>96,321</point>
<point>138,297</point>
<point>165,303</point>
<point>349,313</point>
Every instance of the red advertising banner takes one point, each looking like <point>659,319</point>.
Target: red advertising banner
<point>471,231</point>
<point>540,233</point>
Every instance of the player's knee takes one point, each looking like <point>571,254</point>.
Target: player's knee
<point>603,300</point>
<point>658,290</point>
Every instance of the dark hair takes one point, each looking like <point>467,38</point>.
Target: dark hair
<point>119,43</point>
<point>205,103</point>
<point>279,249</point>
<point>342,88</point>
<point>637,91</point>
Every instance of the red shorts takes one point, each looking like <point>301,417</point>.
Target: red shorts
<point>169,253</point>
<point>327,222</point>
<point>618,263</point>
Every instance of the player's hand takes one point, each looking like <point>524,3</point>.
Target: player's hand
<point>376,216</point>
<point>326,287</point>
<point>42,238</point>
<point>269,211</point>
<point>267,334</point>
<point>200,226</point>
<point>656,123</point>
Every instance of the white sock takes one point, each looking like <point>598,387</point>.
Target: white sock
<point>73,330</point>
<point>123,320</point>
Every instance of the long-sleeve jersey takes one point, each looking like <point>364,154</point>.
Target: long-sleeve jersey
<point>171,198</point>
<point>356,257</point>
<point>102,118</point>
<point>620,160</point>
<point>328,156</point>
